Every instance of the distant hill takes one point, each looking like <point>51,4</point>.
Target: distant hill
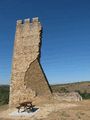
<point>82,87</point>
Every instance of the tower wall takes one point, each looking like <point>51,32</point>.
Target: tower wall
<point>28,79</point>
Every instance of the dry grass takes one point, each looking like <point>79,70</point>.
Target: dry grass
<point>3,108</point>
<point>80,112</point>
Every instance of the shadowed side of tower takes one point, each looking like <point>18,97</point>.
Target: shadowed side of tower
<point>28,79</point>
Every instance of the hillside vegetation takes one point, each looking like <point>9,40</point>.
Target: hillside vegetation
<point>4,94</point>
<point>83,88</point>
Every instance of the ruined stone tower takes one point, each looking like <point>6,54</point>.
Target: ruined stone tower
<point>28,79</point>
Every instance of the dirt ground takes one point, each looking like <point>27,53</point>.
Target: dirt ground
<point>54,111</point>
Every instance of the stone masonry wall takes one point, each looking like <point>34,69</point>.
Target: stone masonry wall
<point>28,79</point>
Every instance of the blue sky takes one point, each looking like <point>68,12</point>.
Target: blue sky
<point>66,37</point>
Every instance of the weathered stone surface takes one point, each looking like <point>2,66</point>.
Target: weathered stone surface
<point>28,79</point>
<point>35,71</point>
<point>71,96</point>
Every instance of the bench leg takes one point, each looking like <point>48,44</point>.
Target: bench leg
<point>18,110</point>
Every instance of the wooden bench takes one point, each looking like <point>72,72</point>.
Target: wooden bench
<point>26,106</point>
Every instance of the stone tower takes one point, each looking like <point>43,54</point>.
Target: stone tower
<point>28,79</point>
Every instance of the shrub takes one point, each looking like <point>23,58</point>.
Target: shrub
<point>4,95</point>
